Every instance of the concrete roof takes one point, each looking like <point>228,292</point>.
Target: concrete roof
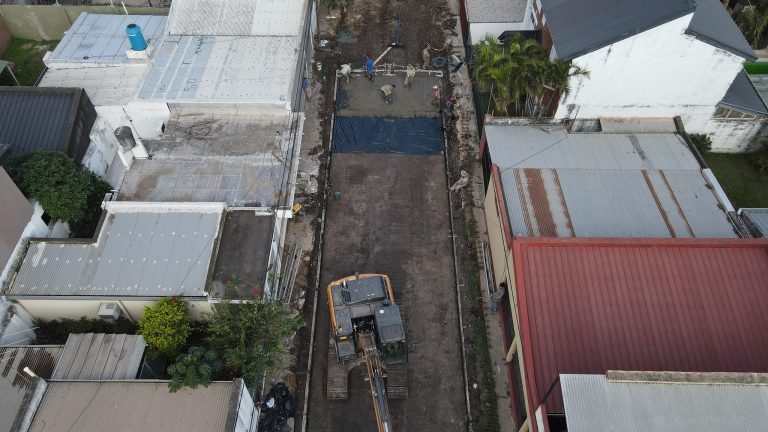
<point>142,250</point>
<point>130,406</point>
<point>106,86</point>
<point>15,384</point>
<point>496,11</point>
<point>560,184</point>
<point>95,39</point>
<point>237,159</point>
<point>236,17</point>
<point>599,403</point>
<point>100,356</point>
<point>223,69</point>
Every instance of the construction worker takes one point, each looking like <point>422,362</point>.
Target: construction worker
<point>346,70</point>
<point>436,95</point>
<point>307,88</point>
<point>426,57</point>
<point>369,67</point>
<point>386,91</point>
<point>410,73</point>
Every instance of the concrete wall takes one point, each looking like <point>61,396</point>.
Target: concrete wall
<point>734,136</point>
<point>104,146</point>
<point>50,308</point>
<point>477,31</point>
<point>5,36</point>
<point>16,324</point>
<point>659,73</point>
<point>503,271</point>
<point>50,22</point>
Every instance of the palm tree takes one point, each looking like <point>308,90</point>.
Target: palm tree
<point>753,22</point>
<point>558,76</point>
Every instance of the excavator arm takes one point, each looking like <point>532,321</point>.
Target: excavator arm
<point>367,342</point>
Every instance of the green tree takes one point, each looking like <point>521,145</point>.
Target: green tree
<point>702,142</point>
<point>250,337</point>
<point>165,327</point>
<point>196,367</point>
<point>753,22</point>
<point>65,192</point>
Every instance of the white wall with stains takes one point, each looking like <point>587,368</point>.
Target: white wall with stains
<point>661,72</point>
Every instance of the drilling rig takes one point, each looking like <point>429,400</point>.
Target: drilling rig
<point>367,327</point>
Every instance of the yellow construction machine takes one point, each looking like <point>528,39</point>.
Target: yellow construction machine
<point>367,327</point>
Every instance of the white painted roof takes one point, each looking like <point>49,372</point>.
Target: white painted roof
<point>106,86</point>
<point>142,250</point>
<point>236,17</point>
<point>98,39</point>
<point>223,69</point>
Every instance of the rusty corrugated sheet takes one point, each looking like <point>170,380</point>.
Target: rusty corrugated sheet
<point>592,305</point>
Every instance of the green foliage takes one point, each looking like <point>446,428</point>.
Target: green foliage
<point>196,367</point>
<point>753,22</point>
<point>702,142</point>
<point>165,327</point>
<point>519,71</point>
<point>27,55</point>
<point>760,159</point>
<point>64,191</point>
<point>57,331</point>
<point>331,4</point>
<point>250,338</point>
<point>737,175</point>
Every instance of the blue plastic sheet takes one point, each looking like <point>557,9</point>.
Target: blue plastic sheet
<point>406,135</point>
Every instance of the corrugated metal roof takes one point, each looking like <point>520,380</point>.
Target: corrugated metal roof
<point>37,119</point>
<point>554,147</point>
<point>100,356</point>
<point>105,86</point>
<point>131,406</point>
<point>592,305</point>
<point>757,217</point>
<point>15,384</point>
<point>581,26</point>
<point>237,17</point>
<point>594,403</point>
<point>224,69</point>
<point>96,39</point>
<point>496,11</point>
<point>557,184</point>
<point>143,249</point>
<point>743,96</point>
<point>714,25</point>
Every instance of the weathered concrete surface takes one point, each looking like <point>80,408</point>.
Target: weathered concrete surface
<point>393,218</point>
<point>365,97</point>
<point>243,253</point>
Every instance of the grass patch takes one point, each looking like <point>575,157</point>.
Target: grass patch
<point>756,68</point>
<point>28,57</point>
<point>742,183</point>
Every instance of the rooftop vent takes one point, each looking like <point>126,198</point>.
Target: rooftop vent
<point>138,43</point>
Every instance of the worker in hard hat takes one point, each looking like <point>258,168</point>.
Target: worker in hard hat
<point>436,95</point>
<point>386,92</point>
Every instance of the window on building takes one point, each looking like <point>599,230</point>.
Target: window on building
<point>724,113</point>
<point>519,396</point>
<point>533,19</point>
<point>509,323</point>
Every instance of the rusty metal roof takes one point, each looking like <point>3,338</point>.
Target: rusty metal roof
<point>560,184</point>
<point>593,305</point>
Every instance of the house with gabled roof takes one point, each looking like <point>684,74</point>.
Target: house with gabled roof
<point>651,58</point>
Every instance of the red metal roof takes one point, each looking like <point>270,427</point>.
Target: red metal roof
<point>590,305</point>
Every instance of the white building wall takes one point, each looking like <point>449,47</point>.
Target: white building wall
<point>733,136</point>
<point>16,324</point>
<point>104,147</point>
<point>147,118</point>
<point>478,31</point>
<point>660,72</point>
<point>51,308</point>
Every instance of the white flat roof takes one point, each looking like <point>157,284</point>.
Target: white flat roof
<point>105,86</point>
<point>98,39</point>
<point>236,17</point>
<point>223,69</point>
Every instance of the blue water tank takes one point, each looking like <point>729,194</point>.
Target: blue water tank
<point>138,43</point>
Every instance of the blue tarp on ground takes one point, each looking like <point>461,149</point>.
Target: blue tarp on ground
<point>407,135</point>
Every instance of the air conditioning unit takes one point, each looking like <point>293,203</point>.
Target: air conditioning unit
<point>109,311</point>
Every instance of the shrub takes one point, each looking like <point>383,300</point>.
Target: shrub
<point>196,367</point>
<point>702,142</point>
<point>57,331</point>
<point>165,327</point>
<point>760,159</point>
<point>65,192</point>
<point>250,338</point>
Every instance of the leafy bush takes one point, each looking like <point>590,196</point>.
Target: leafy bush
<point>57,331</point>
<point>250,338</point>
<point>64,191</point>
<point>196,367</point>
<point>702,142</point>
<point>760,159</point>
<point>165,327</point>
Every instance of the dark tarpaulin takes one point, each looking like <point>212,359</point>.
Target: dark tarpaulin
<point>407,135</point>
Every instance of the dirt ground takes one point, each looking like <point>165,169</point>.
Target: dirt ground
<point>392,218</point>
